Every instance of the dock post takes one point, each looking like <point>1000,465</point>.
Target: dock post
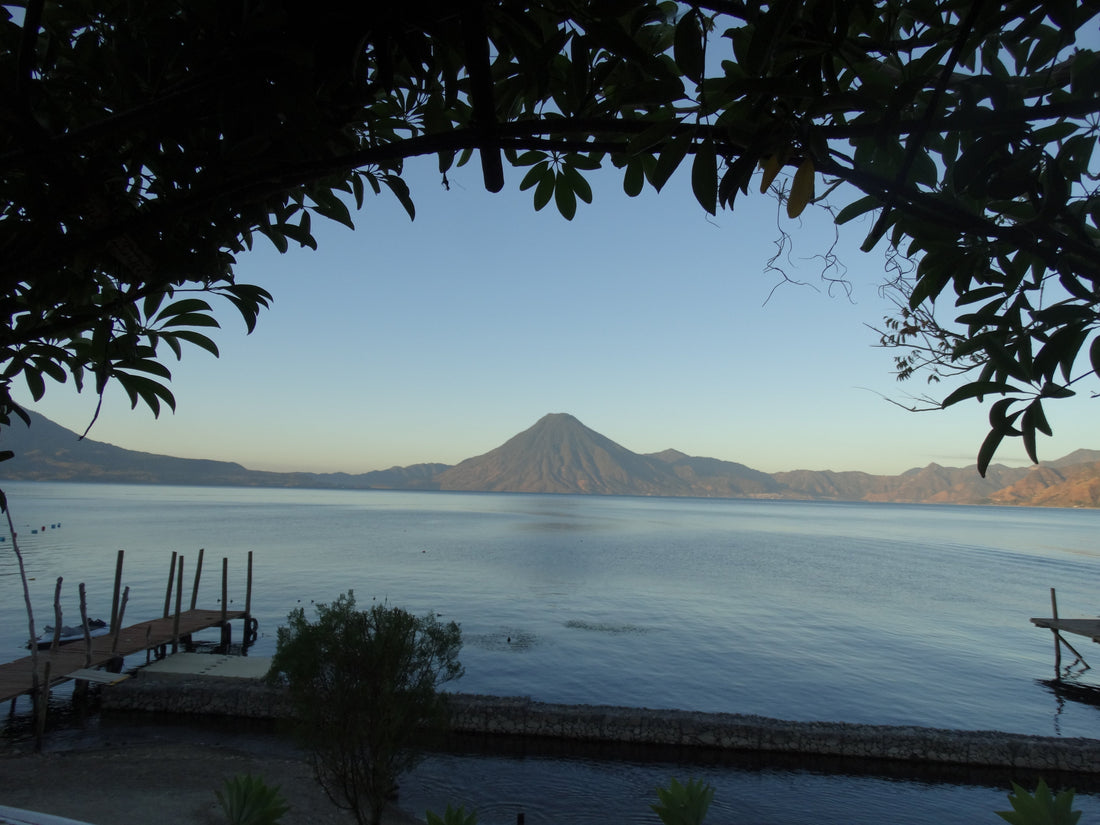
<point>56,617</point>
<point>84,623</point>
<point>1057,637</point>
<point>250,631</point>
<point>248,590</point>
<point>198,572</point>
<point>171,580</point>
<point>121,613</point>
<point>118,587</point>
<point>41,703</point>
<point>179,604</point>
<point>80,689</point>
<point>227,633</point>
<point>115,665</point>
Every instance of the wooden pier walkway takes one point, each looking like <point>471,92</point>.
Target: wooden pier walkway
<point>1081,627</point>
<point>16,678</point>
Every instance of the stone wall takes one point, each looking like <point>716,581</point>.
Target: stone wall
<point>522,717</point>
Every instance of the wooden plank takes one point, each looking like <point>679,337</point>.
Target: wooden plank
<point>102,677</point>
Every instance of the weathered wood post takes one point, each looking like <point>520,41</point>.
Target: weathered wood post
<point>118,587</point>
<point>115,665</point>
<point>171,581</point>
<point>248,590</point>
<point>179,606</point>
<point>56,643</point>
<point>80,689</point>
<point>41,703</point>
<point>1057,637</point>
<point>84,624</point>
<point>227,633</point>
<point>198,573</point>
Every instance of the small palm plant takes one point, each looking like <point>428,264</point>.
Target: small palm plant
<point>452,816</point>
<point>248,800</point>
<point>683,804</point>
<point>1040,808</point>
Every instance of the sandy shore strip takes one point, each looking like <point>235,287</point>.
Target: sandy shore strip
<point>162,775</point>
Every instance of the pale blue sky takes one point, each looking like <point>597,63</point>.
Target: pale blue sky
<point>440,338</point>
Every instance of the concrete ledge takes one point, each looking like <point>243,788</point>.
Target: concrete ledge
<point>522,717</point>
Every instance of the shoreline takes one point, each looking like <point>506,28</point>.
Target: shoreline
<point>189,694</point>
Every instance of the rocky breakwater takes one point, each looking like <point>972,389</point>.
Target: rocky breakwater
<point>523,717</point>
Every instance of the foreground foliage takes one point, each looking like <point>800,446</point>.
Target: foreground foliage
<point>684,804</point>
<point>452,816</point>
<point>364,684</point>
<point>132,175</point>
<point>248,800</point>
<point>1041,807</point>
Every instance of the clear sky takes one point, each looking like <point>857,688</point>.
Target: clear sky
<point>438,339</point>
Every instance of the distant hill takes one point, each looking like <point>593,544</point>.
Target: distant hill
<point>559,454</point>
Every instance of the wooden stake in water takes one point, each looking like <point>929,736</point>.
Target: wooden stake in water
<point>1057,637</point>
<point>179,601</point>
<point>121,613</point>
<point>30,624</point>
<point>248,590</point>
<point>118,588</point>
<point>41,702</point>
<point>80,690</point>
<point>171,580</point>
<point>198,572</point>
<point>56,643</point>
<point>87,630</point>
<point>225,604</point>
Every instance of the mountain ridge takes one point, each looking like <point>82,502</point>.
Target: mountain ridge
<point>559,454</point>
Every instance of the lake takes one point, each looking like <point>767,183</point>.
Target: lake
<point>876,613</point>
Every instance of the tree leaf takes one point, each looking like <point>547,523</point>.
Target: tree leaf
<point>704,176</point>
<point>564,197</point>
<point>545,190</point>
<point>198,339</point>
<point>687,46</point>
<point>534,175</point>
<point>771,166</point>
<point>977,389</point>
<point>857,208</point>
<point>634,177</point>
<point>579,185</point>
<point>802,188</point>
<point>671,156</point>
<point>399,188</point>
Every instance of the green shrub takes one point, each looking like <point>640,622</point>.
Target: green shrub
<point>683,804</point>
<point>248,800</point>
<point>1040,808</point>
<point>363,684</point>
<point>452,816</point>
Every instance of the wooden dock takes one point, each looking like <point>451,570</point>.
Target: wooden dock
<point>16,678</point>
<point>1081,627</point>
<point>1056,625</point>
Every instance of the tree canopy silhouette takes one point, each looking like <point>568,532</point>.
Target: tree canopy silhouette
<point>147,145</point>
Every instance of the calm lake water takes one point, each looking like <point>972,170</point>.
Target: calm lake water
<point>890,614</point>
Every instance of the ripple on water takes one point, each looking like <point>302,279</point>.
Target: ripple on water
<point>605,627</point>
<point>506,639</point>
